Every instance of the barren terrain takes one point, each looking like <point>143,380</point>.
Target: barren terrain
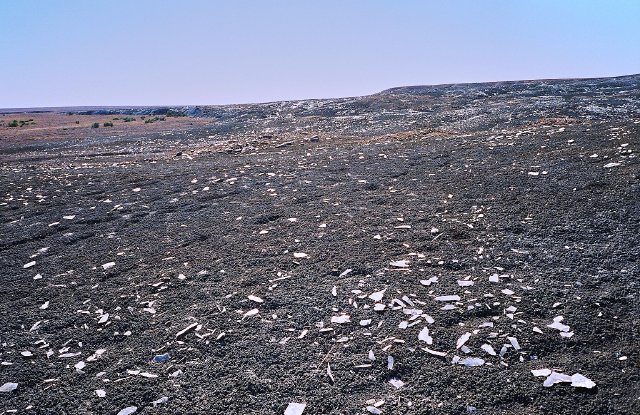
<point>417,251</point>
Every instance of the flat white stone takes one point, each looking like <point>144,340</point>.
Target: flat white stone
<point>295,408</point>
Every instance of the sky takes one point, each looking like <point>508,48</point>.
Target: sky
<point>190,52</point>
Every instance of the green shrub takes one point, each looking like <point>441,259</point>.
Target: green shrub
<point>128,119</point>
<point>13,123</point>
<point>107,124</point>
<point>95,125</point>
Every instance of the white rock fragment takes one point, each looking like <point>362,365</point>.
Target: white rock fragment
<point>96,355</point>
<point>435,352</point>
<point>373,410</point>
<point>430,281</point>
<point>494,278</point>
<point>400,264</point>
<point>160,401</point>
<point>379,307</point>
<point>462,340</point>
<point>103,318</point>
<point>465,283</point>
<point>80,365</point>
<point>8,387</point>
<point>330,374</point>
<point>397,383</point>
<point>579,381</point>
<point>26,353</point>
<point>69,217</point>
<point>29,264</point>
<point>345,273</point>
<point>555,377</point>
<point>295,408</point>
<point>390,362</point>
<point>377,296</point>
<point>507,291</point>
<point>300,255</point>
<point>448,298</point>
<point>514,342</point>
<point>609,165</point>
<point>255,298</point>
<point>334,291</point>
<point>250,313</point>
<point>371,356</point>
<point>186,330</point>
<point>558,325</point>
<point>44,306</point>
<point>489,349</point>
<point>472,361</point>
<point>101,393</point>
<point>128,410</point>
<point>341,319</point>
<point>424,336</point>
<point>541,372</point>
<point>365,323</point>
<point>108,265</point>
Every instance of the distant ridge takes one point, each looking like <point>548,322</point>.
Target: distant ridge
<point>431,89</point>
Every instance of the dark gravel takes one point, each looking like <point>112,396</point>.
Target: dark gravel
<point>524,201</point>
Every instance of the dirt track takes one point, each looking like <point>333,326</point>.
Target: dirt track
<point>192,236</point>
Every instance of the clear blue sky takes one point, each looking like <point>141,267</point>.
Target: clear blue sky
<point>144,52</point>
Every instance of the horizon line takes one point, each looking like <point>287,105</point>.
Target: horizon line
<point>9,110</point>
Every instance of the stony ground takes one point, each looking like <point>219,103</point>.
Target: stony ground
<point>313,270</point>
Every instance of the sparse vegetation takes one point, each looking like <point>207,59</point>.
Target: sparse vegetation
<point>129,119</point>
<point>107,124</point>
<point>21,123</point>
<point>95,125</point>
<point>174,113</point>
<point>154,119</point>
